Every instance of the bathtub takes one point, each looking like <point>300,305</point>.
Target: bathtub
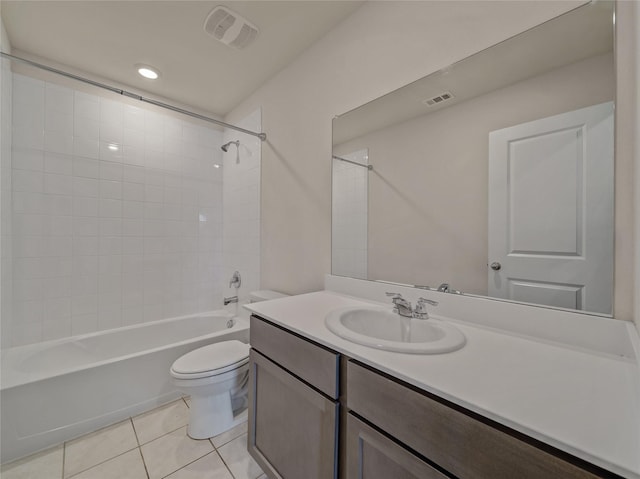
<point>54,391</point>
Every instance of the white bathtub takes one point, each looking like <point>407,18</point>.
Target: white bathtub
<point>53,391</point>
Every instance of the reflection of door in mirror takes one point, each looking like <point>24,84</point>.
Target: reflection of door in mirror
<point>349,214</point>
<point>551,210</point>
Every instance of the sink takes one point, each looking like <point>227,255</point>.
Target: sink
<point>381,328</point>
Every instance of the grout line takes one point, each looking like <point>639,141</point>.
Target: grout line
<point>64,454</point>
<point>133,425</point>
<point>225,463</point>
<point>144,463</point>
<point>188,464</point>
<point>170,432</point>
<point>227,441</point>
<point>100,463</point>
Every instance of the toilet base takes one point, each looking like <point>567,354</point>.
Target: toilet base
<point>210,415</point>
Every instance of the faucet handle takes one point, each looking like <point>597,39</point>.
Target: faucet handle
<point>428,301</point>
<point>397,298</point>
<point>421,309</point>
<point>400,305</point>
<point>236,280</point>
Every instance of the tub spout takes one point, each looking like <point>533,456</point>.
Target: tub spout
<point>232,299</point>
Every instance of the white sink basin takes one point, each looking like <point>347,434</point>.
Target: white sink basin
<point>381,328</point>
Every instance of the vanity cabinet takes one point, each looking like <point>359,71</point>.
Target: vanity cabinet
<point>394,426</point>
<point>293,409</point>
<point>316,414</point>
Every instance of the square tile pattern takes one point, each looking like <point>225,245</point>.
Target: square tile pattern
<point>153,445</point>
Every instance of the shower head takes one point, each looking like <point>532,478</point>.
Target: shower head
<point>226,146</point>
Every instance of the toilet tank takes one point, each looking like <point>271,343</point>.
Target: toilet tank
<point>265,295</point>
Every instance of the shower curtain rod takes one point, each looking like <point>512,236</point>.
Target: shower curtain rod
<point>368,167</point>
<point>262,136</point>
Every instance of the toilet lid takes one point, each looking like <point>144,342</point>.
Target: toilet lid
<point>213,359</point>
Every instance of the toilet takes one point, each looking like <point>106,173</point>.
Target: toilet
<point>217,378</point>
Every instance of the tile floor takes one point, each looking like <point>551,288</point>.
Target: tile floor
<point>153,445</point>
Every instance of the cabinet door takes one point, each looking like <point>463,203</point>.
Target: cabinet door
<point>292,427</point>
<point>370,455</point>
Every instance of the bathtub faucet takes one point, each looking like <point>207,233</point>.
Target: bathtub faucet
<point>232,299</point>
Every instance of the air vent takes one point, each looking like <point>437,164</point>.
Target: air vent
<point>230,28</point>
<point>438,99</point>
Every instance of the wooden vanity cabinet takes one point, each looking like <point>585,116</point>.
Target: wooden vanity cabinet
<point>293,408</point>
<point>397,425</point>
<point>314,414</point>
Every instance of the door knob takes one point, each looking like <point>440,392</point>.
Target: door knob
<point>496,266</point>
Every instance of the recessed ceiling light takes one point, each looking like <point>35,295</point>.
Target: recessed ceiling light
<point>147,71</point>
<point>113,147</point>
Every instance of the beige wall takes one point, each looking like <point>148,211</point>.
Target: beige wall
<point>382,46</point>
<point>428,190</point>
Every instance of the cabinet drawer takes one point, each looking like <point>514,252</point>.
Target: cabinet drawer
<point>292,427</point>
<point>372,455</point>
<point>459,443</point>
<point>311,362</point>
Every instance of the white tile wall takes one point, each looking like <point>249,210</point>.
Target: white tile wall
<point>349,216</point>
<point>241,213</point>
<point>117,214</point>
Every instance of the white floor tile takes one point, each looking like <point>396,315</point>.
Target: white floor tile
<point>207,467</point>
<point>229,435</point>
<point>237,458</point>
<point>171,452</point>
<point>153,424</point>
<point>43,464</point>
<point>95,448</point>
<point>127,466</point>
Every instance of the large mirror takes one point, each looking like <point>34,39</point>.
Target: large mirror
<point>492,177</point>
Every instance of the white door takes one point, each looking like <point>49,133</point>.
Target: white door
<point>551,210</point>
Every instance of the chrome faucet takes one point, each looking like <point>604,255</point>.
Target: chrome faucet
<point>229,300</point>
<point>446,288</point>
<point>403,307</point>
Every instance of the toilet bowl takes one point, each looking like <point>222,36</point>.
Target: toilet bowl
<point>216,377</point>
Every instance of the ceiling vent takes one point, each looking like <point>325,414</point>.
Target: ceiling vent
<point>441,98</point>
<point>230,28</point>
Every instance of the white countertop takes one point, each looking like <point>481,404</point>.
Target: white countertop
<point>582,402</point>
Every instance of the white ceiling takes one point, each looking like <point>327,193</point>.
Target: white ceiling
<point>107,38</point>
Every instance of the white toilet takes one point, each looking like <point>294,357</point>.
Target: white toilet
<point>216,377</point>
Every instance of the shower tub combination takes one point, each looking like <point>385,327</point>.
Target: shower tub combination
<point>57,390</point>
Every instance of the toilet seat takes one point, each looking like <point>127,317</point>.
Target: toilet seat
<point>212,360</point>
